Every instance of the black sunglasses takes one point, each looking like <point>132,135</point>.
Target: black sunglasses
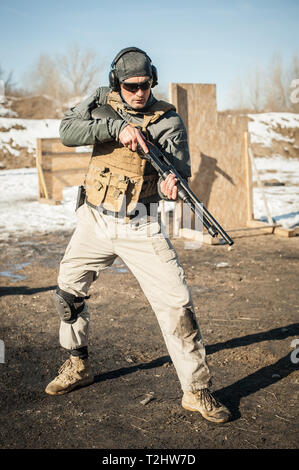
<point>133,87</point>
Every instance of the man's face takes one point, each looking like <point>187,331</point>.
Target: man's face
<point>137,98</point>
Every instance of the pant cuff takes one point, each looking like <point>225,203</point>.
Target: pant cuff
<point>196,387</point>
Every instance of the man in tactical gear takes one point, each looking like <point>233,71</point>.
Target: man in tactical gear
<point>118,183</point>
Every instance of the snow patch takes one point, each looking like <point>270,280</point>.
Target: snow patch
<point>5,105</point>
<point>21,213</point>
<point>22,133</point>
<point>283,201</point>
<point>264,127</point>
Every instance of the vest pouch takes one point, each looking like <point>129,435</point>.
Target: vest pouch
<point>100,183</point>
<point>116,192</point>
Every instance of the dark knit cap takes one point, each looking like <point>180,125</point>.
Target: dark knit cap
<point>133,64</point>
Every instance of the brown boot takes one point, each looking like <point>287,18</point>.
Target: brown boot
<point>204,402</point>
<point>75,372</point>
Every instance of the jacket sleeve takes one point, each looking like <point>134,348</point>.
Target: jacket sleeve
<point>173,142</point>
<point>171,137</point>
<point>79,128</point>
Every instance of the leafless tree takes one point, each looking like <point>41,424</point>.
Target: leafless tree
<point>237,94</point>
<point>256,89</point>
<point>64,76</point>
<point>266,89</point>
<point>45,79</point>
<point>276,93</point>
<point>247,92</point>
<point>79,70</point>
<point>293,85</point>
<point>8,81</point>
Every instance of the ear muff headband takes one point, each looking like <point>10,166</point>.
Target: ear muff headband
<point>113,80</point>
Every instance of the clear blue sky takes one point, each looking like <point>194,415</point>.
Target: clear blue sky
<point>188,41</point>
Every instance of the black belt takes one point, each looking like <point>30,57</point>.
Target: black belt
<point>118,215</point>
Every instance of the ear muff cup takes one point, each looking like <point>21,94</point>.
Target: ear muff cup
<point>155,76</point>
<point>113,81</point>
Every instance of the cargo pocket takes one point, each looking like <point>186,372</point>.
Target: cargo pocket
<point>163,248</point>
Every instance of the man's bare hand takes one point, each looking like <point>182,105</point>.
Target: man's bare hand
<point>130,137</point>
<point>168,187</point>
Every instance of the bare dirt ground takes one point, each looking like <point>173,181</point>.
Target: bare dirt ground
<point>248,313</point>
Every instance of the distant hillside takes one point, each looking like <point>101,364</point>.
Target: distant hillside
<point>30,107</point>
<point>274,134</point>
<point>22,121</point>
<point>18,140</point>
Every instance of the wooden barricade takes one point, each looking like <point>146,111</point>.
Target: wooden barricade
<point>220,163</point>
<point>58,166</point>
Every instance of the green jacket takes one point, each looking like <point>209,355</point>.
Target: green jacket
<point>168,133</point>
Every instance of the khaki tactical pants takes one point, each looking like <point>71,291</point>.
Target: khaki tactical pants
<point>95,244</point>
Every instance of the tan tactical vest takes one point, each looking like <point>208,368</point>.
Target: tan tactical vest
<point>116,172</point>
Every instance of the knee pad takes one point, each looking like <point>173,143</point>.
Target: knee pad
<point>68,305</point>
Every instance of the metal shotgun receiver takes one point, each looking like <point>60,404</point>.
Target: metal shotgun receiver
<point>163,166</point>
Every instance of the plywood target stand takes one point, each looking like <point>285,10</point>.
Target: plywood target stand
<point>220,163</point>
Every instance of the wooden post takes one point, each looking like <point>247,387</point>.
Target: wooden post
<point>270,220</point>
<point>248,179</point>
<point>43,193</point>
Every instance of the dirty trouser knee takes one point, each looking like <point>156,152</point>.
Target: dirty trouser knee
<point>97,241</point>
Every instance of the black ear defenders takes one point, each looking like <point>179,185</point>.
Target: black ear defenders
<point>113,80</point>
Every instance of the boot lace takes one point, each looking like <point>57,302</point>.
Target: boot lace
<point>208,400</point>
<point>65,372</point>
<point>67,364</point>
